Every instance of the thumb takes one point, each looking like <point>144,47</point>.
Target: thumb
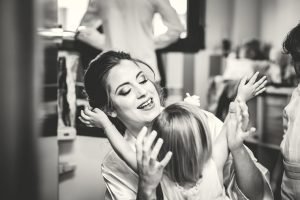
<point>249,133</point>
<point>232,110</point>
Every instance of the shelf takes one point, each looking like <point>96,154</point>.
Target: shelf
<point>262,144</point>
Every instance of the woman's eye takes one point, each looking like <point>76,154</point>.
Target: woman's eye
<point>125,92</point>
<point>143,80</point>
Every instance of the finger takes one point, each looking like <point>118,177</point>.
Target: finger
<point>145,153</point>
<point>243,80</point>
<point>81,28</point>
<point>261,86</point>
<point>156,149</point>
<point>163,163</point>
<point>253,78</point>
<point>260,81</point>
<point>188,94</point>
<point>139,153</point>
<point>261,91</point>
<point>139,145</point>
<point>141,135</point>
<point>249,133</point>
<point>232,109</point>
<point>96,110</point>
<point>88,112</point>
<point>245,120</point>
<point>84,116</point>
<point>195,97</point>
<point>86,122</point>
<point>149,141</point>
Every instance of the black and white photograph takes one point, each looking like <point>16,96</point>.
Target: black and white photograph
<point>150,99</point>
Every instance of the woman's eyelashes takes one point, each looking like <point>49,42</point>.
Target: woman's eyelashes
<point>124,91</point>
<point>142,79</point>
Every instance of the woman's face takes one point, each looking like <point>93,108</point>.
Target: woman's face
<point>134,98</point>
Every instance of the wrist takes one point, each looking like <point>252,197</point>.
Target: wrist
<point>241,98</point>
<point>147,191</point>
<point>108,126</point>
<point>237,151</point>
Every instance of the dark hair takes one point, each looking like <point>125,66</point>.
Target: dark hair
<point>96,75</point>
<point>291,44</point>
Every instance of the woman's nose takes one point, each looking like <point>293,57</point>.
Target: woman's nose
<point>140,91</point>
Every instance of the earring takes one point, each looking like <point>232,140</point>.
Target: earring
<point>113,114</point>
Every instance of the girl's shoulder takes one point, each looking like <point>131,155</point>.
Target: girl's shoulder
<point>214,124</point>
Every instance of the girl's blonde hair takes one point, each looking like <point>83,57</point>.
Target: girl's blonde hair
<point>183,127</point>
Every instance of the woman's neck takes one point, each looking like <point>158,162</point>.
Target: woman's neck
<point>134,131</point>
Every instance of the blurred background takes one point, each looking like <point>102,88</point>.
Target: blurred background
<point>47,153</point>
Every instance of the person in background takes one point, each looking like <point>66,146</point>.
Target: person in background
<point>134,100</point>
<point>127,26</point>
<point>290,187</point>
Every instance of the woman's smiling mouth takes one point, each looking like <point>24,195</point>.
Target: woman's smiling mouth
<point>146,105</point>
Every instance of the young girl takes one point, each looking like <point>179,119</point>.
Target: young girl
<point>196,169</point>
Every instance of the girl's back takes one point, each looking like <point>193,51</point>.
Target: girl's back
<point>208,187</point>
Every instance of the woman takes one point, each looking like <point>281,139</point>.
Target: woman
<point>290,187</point>
<point>116,84</point>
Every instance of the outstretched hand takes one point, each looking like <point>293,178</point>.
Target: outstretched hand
<point>237,124</point>
<point>150,170</point>
<point>246,91</point>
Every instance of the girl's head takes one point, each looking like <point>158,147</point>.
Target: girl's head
<point>291,45</point>
<point>183,129</point>
<point>116,83</point>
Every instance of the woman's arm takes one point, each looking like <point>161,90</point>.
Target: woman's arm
<point>220,152</point>
<point>171,21</point>
<point>97,118</point>
<point>248,176</point>
<point>150,170</point>
<point>87,31</point>
<point>91,17</point>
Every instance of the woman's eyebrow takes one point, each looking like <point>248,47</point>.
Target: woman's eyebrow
<point>121,86</point>
<point>137,75</point>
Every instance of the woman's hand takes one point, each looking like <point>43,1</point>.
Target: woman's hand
<point>149,169</point>
<point>246,91</point>
<point>94,118</point>
<point>236,124</point>
<point>91,36</point>
<point>193,100</point>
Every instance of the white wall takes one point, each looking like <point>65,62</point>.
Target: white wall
<point>87,153</point>
<point>218,24</point>
<point>245,24</point>
<point>277,18</point>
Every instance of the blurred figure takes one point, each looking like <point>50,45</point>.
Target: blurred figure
<point>290,188</point>
<point>127,26</point>
<point>278,66</point>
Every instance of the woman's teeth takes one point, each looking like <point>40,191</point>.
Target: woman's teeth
<point>147,103</point>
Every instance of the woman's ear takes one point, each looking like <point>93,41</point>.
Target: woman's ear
<point>112,114</point>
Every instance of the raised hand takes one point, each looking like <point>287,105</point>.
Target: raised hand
<point>236,128</point>
<point>150,170</point>
<point>193,100</point>
<point>246,91</point>
<point>94,118</point>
